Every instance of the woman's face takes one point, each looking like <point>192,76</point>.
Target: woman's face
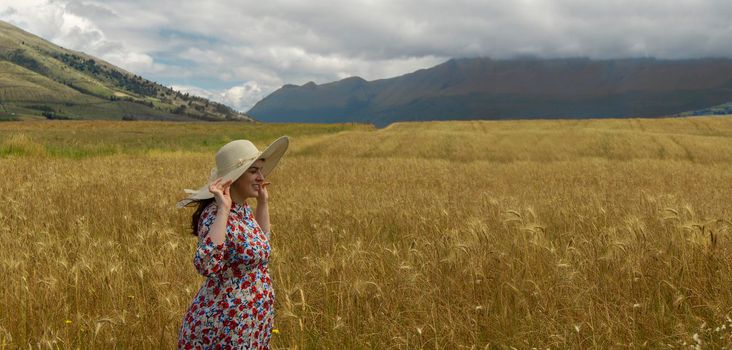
<point>248,184</point>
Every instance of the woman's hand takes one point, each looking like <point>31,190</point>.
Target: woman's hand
<point>262,195</point>
<point>221,192</point>
<point>262,215</point>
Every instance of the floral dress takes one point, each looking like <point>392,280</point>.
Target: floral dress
<point>234,308</point>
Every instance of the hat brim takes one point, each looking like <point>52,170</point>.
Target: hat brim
<point>271,155</point>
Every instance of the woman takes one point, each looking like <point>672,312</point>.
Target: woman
<point>233,309</point>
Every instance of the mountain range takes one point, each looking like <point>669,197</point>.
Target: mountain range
<point>39,79</point>
<point>483,88</point>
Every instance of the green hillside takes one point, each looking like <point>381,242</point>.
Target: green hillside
<point>41,80</point>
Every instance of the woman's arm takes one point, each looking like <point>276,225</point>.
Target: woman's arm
<point>223,202</point>
<point>209,257</point>
<point>218,228</point>
<point>262,214</point>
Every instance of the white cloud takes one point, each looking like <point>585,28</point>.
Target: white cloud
<point>52,20</point>
<point>229,45</point>
<point>240,97</point>
<point>244,96</point>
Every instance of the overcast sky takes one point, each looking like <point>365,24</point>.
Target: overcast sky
<point>237,51</point>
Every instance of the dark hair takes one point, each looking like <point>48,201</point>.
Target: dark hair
<point>201,205</point>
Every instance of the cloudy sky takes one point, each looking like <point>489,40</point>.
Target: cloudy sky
<point>238,51</point>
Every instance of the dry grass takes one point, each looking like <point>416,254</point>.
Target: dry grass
<point>592,234</point>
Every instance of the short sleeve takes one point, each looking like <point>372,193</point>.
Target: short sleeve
<point>209,258</point>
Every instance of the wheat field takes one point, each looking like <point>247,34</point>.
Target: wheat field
<point>558,234</point>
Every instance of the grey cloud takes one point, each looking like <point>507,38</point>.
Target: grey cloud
<point>97,11</point>
<point>8,12</point>
<point>232,44</point>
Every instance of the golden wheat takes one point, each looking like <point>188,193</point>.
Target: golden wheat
<point>562,234</point>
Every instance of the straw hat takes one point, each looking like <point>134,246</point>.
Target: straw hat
<point>233,159</point>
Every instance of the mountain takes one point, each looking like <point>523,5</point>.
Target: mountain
<point>40,79</point>
<point>483,88</point>
<point>723,109</point>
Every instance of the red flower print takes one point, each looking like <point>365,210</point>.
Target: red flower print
<point>233,307</point>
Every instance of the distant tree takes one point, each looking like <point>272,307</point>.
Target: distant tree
<point>55,116</point>
<point>20,58</point>
<point>43,108</point>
